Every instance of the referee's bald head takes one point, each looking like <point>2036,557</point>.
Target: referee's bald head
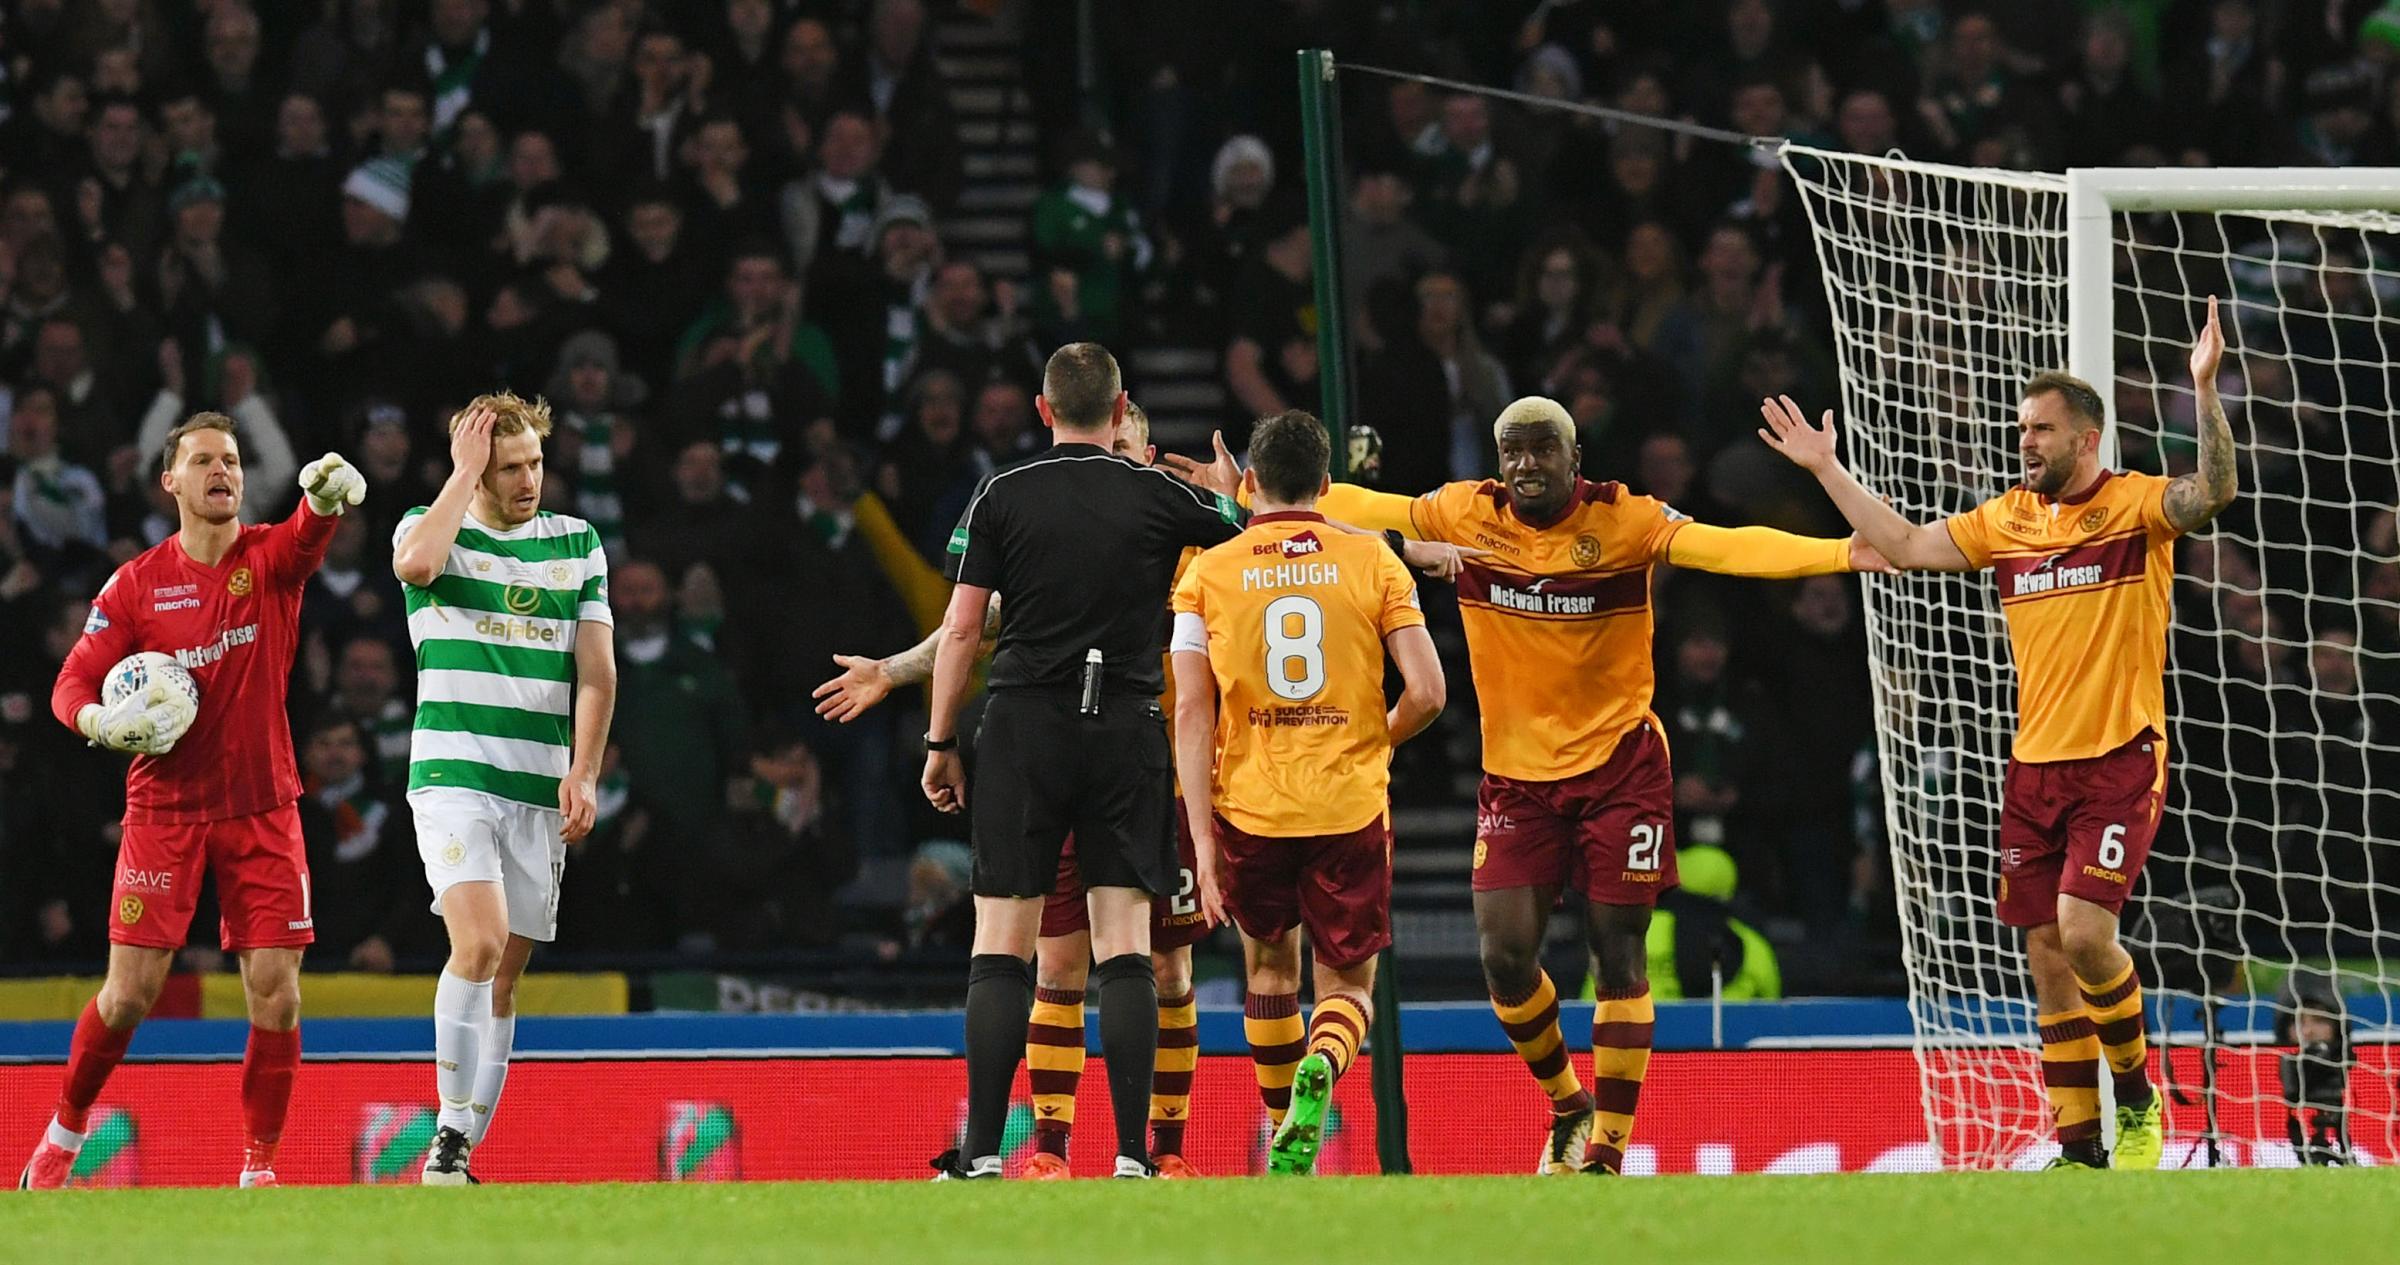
<point>1082,390</point>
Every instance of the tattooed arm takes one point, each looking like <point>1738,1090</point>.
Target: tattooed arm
<point>864,682</point>
<point>2195,498</point>
<point>915,664</point>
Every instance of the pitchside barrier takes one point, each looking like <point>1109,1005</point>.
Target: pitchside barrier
<point>1809,1086</point>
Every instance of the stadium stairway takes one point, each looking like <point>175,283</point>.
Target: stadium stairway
<point>1181,387</point>
<point>981,61</point>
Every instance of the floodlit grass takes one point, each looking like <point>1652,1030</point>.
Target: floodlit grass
<point>2238,1218</point>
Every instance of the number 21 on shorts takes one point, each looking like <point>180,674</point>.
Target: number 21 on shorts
<point>1648,839</point>
<point>1184,901</point>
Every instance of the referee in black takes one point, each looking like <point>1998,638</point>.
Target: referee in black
<point>1081,545</point>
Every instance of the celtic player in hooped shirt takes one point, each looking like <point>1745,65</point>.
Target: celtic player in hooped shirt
<point>2084,557</point>
<point>1576,788</point>
<point>516,679</point>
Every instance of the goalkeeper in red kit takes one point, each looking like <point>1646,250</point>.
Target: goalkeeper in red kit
<point>212,789</point>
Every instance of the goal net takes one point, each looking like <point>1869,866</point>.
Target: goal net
<point>2279,860</point>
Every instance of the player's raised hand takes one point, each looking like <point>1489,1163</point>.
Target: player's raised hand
<point>1440,559</point>
<point>945,781</point>
<point>471,444</point>
<point>1865,557</point>
<point>2207,350</point>
<point>1219,475</point>
<point>1787,431</point>
<point>578,805</point>
<point>860,687</point>
<point>332,484</point>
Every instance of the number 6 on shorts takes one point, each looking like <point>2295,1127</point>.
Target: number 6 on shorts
<point>2112,847</point>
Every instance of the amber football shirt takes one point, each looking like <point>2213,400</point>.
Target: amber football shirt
<point>1297,612</point>
<point>2085,584</point>
<point>1557,619</point>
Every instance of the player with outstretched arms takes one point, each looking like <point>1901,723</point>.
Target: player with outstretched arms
<point>516,681</point>
<point>209,791</point>
<point>2085,560</point>
<point>1576,788</point>
<point>1278,646</point>
<point>1054,1039</point>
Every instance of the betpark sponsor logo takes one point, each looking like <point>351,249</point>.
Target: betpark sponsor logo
<point>701,1142</point>
<point>391,1143</point>
<point>1292,547</point>
<point>112,1151</point>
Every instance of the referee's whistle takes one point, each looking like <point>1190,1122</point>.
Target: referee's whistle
<point>1091,682</point>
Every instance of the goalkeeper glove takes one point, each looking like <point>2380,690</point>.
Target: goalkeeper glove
<point>332,484</point>
<point>147,723</point>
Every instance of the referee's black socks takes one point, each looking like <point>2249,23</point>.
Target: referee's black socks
<point>1128,990</point>
<point>999,1004</point>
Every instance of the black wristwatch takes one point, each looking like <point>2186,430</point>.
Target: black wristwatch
<point>1398,542</point>
<point>941,744</point>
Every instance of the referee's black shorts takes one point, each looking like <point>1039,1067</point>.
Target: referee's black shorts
<point>1044,770</point>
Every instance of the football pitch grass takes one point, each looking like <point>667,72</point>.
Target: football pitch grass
<point>2236,1218</point>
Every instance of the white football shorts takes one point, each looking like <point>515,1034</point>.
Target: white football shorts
<point>469,837</point>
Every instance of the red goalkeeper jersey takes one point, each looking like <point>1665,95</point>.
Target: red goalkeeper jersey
<point>236,627</point>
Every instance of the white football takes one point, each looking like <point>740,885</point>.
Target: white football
<point>140,672</point>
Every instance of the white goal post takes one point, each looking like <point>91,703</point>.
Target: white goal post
<point>1948,287</point>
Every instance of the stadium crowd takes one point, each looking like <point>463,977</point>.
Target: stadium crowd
<point>713,235</point>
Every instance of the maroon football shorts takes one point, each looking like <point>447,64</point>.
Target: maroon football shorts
<point>1175,921</point>
<point>1336,887</point>
<point>2081,827</point>
<point>1608,833</point>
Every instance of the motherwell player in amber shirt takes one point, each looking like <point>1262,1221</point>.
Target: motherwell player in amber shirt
<point>1278,653</point>
<point>1577,789</point>
<point>2083,558</point>
<point>216,797</point>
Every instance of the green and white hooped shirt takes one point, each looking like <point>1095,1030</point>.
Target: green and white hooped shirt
<point>495,639</point>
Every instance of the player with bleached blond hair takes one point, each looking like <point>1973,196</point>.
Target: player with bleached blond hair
<point>1555,597</point>
<point>516,681</point>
